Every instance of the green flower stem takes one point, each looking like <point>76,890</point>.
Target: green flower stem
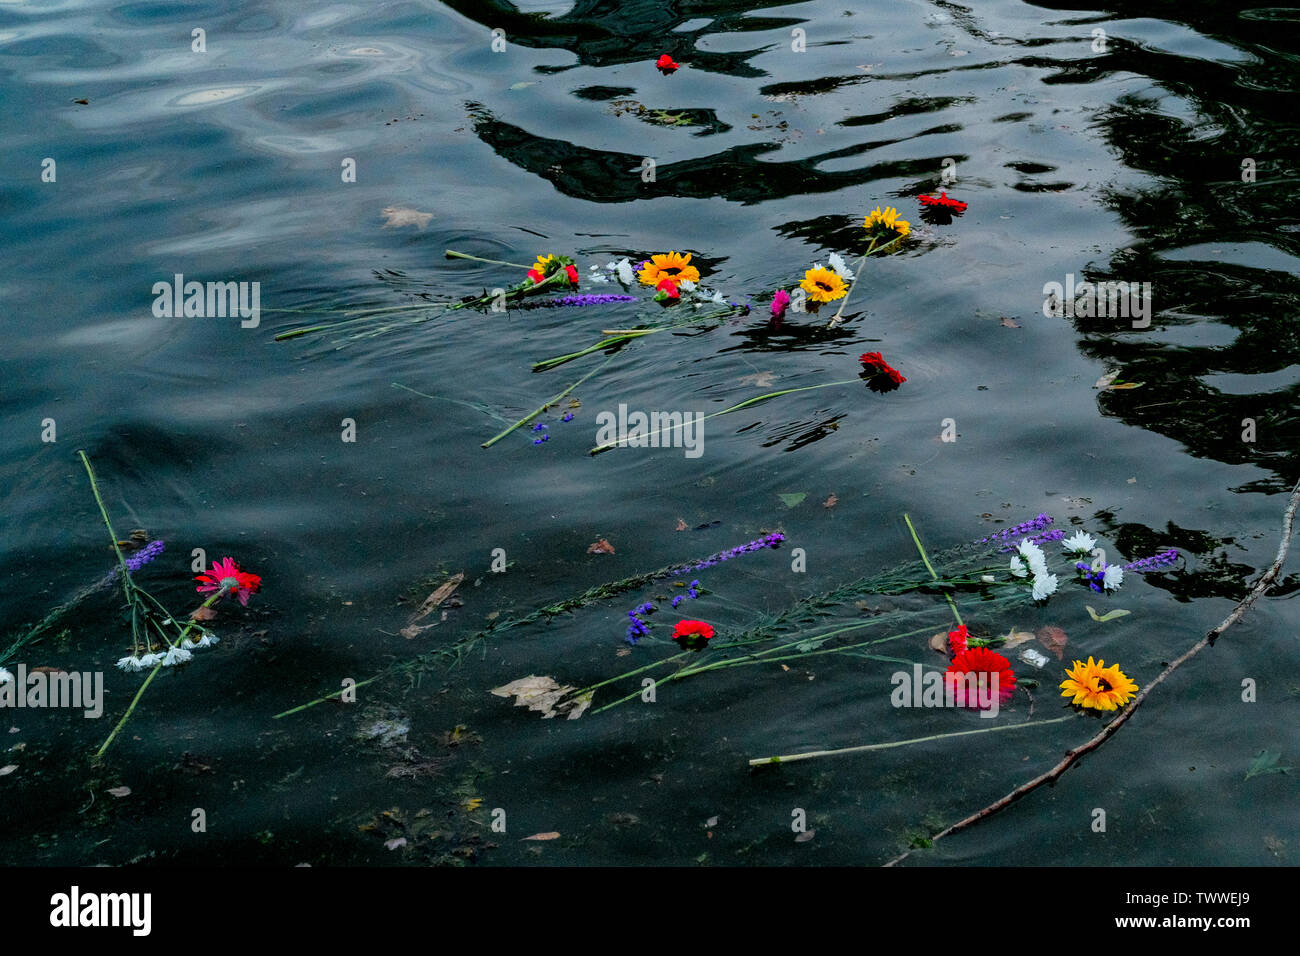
<point>627,335</point>
<point>453,254</point>
<point>791,758</point>
<point>919,547</point>
<point>752,401</point>
<point>531,415</point>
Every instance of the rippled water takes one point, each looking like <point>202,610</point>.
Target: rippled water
<point>1120,160</point>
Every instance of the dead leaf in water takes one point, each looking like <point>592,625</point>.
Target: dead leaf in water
<point>544,695</point>
<point>681,526</point>
<point>1053,638</point>
<point>600,547</point>
<point>398,216</point>
<point>762,379</point>
<point>203,614</point>
<point>940,643</point>
<point>1014,638</point>
<point>831,502</point>
<point>440,594</point>
<point>543,836</point>
<point>120,791</point>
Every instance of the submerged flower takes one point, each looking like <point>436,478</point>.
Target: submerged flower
<point>1044,586</point>
<point>822,285</point>
<point>780,302</point>
<point>942,201</point>
<point>1153,563</point>
<point>1097,686</point>
<point>666,63</point>
<point>991,670</point>
<point>668,266</point>
<point>879,222</point>
<point>1080,542</point>
<point>692,635</point>
<point>226,577</point>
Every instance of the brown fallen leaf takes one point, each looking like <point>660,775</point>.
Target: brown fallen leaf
<point>1009,323</point>
<point>681,526</point>
<point>440,594</point>
<point>762,379</point>
<point>940,643</point>
<point>203,614</point>
<point>1053,638</point>
<point>805,836</point>
<point>1014,638</point>
<point>120,791</point>
<point>543,836</point>
<point>398,216</point>
<point>600,547</point>
<point>8,769</point>
<point>544,695</point>
<point>831,502</point>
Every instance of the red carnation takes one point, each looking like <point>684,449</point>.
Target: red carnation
<point>572,273</point>
<point>944,202</point>
<point>536,276</point>
<point>986,665</point>
<point>692,635</point>
<point>666,63</point>
<point>666,289</point>
<point>957,641</point>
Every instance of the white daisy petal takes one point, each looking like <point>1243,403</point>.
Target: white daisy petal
<point>1044,586</point>
<point>1079,543</point>
<point>1018,567</point>
<point>1114,577</point>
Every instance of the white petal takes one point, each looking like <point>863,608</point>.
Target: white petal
<point>1018,566</point>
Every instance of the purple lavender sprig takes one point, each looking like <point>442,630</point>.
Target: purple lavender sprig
<point>585,298</point>
<point>1154,563</point>
<point>1055,534</point>
<point>770,540</point>
<point>1031,526</point>
<point>639,628</point>
<point>135,562</point>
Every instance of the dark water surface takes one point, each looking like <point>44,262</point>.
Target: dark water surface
<point>1122,163</point>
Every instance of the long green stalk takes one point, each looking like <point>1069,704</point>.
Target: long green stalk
<point>792,758</point>
<point>751,401</point>
<point>929,567</point>
<point>533,414</point>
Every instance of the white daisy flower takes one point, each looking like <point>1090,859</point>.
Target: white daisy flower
<point>5,676</point>
<point>128,663</point>
<point>149,660</point>
<point>718,298</point>
<point>625,274</point>
<point>1044,586</point>
<point>1079,543</point>
<point>839,266</point>
<point>207,640</point>
<point>1033,556</point>
<point>1018,567</point>
<point>687,285</point>
<point>1114,577</point>
<point>176,655</point>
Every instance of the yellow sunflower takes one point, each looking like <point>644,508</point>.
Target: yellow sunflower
<point>543,264</point>
<point>1097,686</point>
<point>669,266</point>
<point>823,285</point>
<point>888,219</point>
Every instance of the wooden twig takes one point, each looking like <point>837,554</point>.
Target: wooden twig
<point>1262,585</point>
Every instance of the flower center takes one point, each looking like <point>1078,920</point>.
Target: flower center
<point>824,286</point>
<point>230,584</point>
<point>1102,686</point>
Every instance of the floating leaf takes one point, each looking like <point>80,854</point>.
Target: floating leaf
<point>8,769</point>
<point>831,502</point>
<point>543,836</point>
<point>1014,638</point>
<point>805,836</point>
<point>1054,639</point>
<point>794,498</point>
<point>600,547</point>
<point>940,643</point>
<point>440,594</point>
<point>681,526</point>
<point>1123,385</point>
<point>1009,323</point>
<point>1105,380</point>
<point>544,695</point>
<point>398,216</point>
<point>1108,616</point>
<point>203,614</point>
<point>1266,762</point>
<point>764,379</point>
<point>120,791</point>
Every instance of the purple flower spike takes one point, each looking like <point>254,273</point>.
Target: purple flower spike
<point>1154,563</point>
<point>1033,526</point>
<point>585,299</point>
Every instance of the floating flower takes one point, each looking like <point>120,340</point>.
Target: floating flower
<point>666,290</point>
<point>624,270</point>
<point>780,302</point>
<point>770,540</point>
<point>1018,531</point>
<point>1097,686</point>
<point>1018,567</point>
<point>823,285</point>
<point>668,266</point>
<point>226,576</point>
<point>572,272</point>
<point>539,427</point>
<point>992,669</point>
<point>839,267</point>
<point>150,660</point>
<point>144,556</point>
<point>208,639</point>
<point>1080,543</point>
<point>1044,586</point>
<point>875,362</point>
<point>692,635</point>
<point>6,677</point>
<point>943,202</point>
<point>1033,556</point>
<point>584,299</point>
<point>544,265</point>
<point>128,664</point>
<point>176,655</point>
<point>666,64</point>
<point>886,224</point>
<point>568,417</point>
<point>1112,577</point>
<point>957,641</point>
<point>538,441</point>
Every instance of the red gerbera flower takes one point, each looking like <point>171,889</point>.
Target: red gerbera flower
<point>957,641</point>
<point>572,272</point>
<point>943,201</point>
<point>986,665</point>
<point>692,635</point>
<point>666,63</point>
<point>226,576</point>
<point>875,362</point>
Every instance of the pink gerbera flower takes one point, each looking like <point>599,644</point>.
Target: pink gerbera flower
<point>226,577</point>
